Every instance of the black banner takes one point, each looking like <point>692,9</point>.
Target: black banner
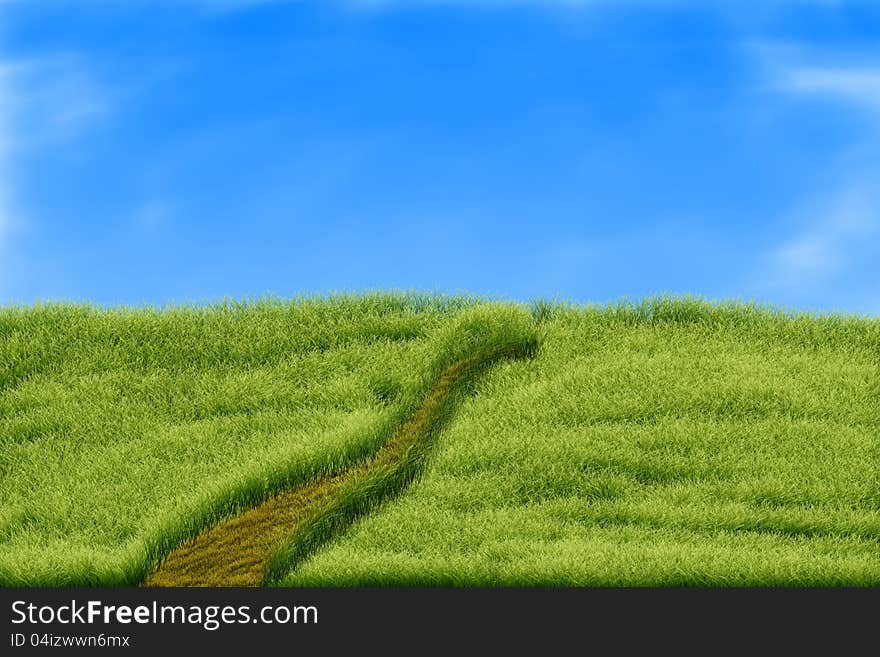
<point>397,621</point>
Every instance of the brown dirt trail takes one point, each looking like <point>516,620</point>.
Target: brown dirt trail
<point>237,551</point>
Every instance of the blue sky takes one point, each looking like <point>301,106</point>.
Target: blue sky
<point>166,152</point>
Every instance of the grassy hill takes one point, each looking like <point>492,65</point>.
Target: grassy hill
<point>673,442</point>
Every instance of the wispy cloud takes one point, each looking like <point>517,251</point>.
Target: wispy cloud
<point>838,238</point>
<point>799,72</point>
<point>50,99</point>
<point>5,138</point>
<point>718,4</point>
<point>734,9</point>
<point>726,6</point>
<point>856,84</point>
<point>43,103</point>
<point>5,184</point>
<point>151,218</point>
<point>473,3</point>
<point>226,6</point>
<point>835,239</point>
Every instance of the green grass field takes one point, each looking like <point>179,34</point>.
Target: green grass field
<point>673,442</point>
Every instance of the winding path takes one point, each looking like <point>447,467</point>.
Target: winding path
<point>269,539</point>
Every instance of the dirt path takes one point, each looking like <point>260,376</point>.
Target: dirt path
<point>238,551</point>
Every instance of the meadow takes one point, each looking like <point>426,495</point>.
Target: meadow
<point>671,442</point>
<point>125,431</point>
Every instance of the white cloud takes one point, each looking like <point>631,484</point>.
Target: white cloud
<point>807,255</point>
<point>475,3</point>
<point>856,84</point>
<point>43,102</point>
<point>835,242</point>
<point>718,4</point>
<point>727,7</point>
<point>798,71</point>
<point>51,99</point>
<point>830,244</point>
<point>151,218</point>
<point>5,184</point>
<point>724,6</point>
<point>5,218</point>
<point>737,11</point>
